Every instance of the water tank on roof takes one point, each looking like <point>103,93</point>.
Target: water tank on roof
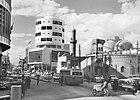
<point>109,46</point>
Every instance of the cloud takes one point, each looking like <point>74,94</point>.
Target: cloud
<point>19,35</point>
<point>126,24</point>
<point>16,52</point>
<point>38,8</point>
<point>131,7</point>
<point>101,25</point>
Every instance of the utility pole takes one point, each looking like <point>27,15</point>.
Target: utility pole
<point>137,57</point>
<point>79,56</point>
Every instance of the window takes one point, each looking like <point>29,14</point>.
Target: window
<point>60,23</point>
<point>54,22</point>
<point>76,73</point>
<point>57,34</point>
<point>38,34</point>
<point>43,39</point>
<point>46,39</point>
<point>63,29</point>
<point>57,22</point>
<point>49,27</point>
<point>62,40</point>
<point>122,69</point>
<point>39,22</point>
<point>59,46</point>
<point>43,28</point>
<point>49,39</point>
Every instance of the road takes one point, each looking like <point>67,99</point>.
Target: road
<point>54,91</point>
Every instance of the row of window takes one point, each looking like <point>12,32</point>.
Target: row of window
<point>50,28</point>
<point>57,22</point>
<point>54,22</point>
<point>50,46</point>
<point>50,39</point>
<point>46,27</point>
<point>54,34</point>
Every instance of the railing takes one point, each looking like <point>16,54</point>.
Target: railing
<point>5,97</point>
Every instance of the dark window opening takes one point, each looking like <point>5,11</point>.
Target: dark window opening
<point>43,28</point>
<point>38,34</point>
<point>57,22</point>
<point>57,34</point>
<point>122,69</point>
<point>43,39</point>
<point>49,27</point>
<point>63,41</point>
<point>49,39</point>
<point>39,22</point>
<point>63,29</point>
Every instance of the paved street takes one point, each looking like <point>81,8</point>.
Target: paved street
<point>54,91</point>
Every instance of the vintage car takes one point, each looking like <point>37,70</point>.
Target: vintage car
<point>56,77</point>
<point>99,78</point>
<point>6,82</point>
<point>128,83</point>
<point>112,78</point>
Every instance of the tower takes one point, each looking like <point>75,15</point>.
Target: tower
<point>73,43</point>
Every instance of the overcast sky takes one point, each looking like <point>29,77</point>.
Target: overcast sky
<point>91,18</point>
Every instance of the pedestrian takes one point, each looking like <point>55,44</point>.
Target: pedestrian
<point>38,78</point>
<point>29,81</point>
<point>23,86</point>
<point>115,85</point>
<point>88,79</point>
<point>62,79</point>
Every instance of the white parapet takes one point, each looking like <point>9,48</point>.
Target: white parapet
<point>15,92</point>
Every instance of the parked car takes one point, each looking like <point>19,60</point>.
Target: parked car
<point>99,78</point>
<point>112,78</point>
<point>6,82</point>
<point>56,77</point>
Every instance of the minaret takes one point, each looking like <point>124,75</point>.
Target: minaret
<point>73,43</point>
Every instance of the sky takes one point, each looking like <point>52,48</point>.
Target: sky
<point>91,18</point>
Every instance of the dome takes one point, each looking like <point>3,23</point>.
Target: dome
<point>109,46</point>
<point>123,45</point>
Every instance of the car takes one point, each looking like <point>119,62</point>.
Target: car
<point>6,83</point>
<point>112,78</point>
<point>99,78</point>
<point>56,77</point>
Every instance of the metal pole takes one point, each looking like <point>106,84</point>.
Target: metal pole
<point>79,56</point>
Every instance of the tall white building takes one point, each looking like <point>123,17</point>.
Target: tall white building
<point>49,32</point>
<point>49,41</point>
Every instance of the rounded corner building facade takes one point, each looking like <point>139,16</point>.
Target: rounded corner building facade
<point>49,32</point>
<point>5,26</point>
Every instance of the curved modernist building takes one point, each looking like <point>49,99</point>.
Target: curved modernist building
<point>5,28</point>
<point>49,32</point>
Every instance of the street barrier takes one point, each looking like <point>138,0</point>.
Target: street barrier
<point>5,97</point>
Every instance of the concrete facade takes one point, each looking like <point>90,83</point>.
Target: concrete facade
<point>5,26</point>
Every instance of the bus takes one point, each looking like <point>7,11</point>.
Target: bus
<point>71,76</point>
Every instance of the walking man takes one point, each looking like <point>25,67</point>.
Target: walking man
<point>38,76</point>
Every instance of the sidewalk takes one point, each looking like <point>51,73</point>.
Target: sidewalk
<point>119,93</point>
